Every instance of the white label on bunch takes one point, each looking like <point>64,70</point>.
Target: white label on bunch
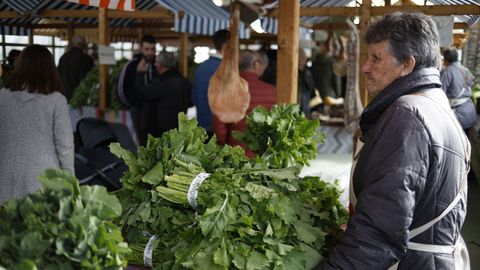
<point>148,252</point>
<point>193,188</point>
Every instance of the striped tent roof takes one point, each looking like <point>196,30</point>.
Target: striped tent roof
<point>469,19</point>
<point>13,29</point>
<point>200,17</point>
<point>29,7</point>
<point>270,24</point>
<point>128,5</point>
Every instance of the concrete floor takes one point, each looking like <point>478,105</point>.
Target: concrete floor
<point>471,227</point>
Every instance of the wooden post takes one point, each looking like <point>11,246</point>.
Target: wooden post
<point>53,48</point>
<point>30,37</point>
<point>4,48</point>
<point>184,54</point>
<point>103,69</point>
<point>287,63</point>
<point>70,34</point>
<point>364,21</point>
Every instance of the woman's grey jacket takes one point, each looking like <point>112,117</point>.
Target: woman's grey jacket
<point>35,134</point>
<point>457,82</point>
<point>409,170</point>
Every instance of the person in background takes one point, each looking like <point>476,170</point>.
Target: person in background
<point>7,67</point>
<point>126,90</point>
<point>306,85</point>
<point>12,57</point>
<point>163,97</point>
<point>202,79</point>
<point>411,170</point>
<point>74,65</point>
<point>251,66</point>
<point>270,74</point>
<point>326,81</point>
<point>457,83</point>
<point>35,128</point>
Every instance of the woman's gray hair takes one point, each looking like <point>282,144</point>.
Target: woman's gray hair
<point>408,34</point>
<point>167,59</point>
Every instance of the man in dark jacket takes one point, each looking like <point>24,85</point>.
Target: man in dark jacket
<point>412,168</point>
<point>126,84</point>
<point>162,98</point>
<point>306,85</point>
<point>74,65</point>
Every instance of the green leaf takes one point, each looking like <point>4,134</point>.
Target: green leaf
<point>216,219</point>
<point>33,245</point>
<point>313,258</point>
<point>99,203</point>
<point>259,192</point>
<point>257,260</point>
<point>155,175</point>
<point>127,156</point>
<point>294,260</point>
<point>307,233</point>
<point>220,256</point>
<point>58,180</point>
<point>24,265</point>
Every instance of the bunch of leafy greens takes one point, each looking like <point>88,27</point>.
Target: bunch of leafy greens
<point>144,211</point>
<point>62,226</point>
<point>253,219</point>
<point>249,215</point>
<point>87,92</point>
<point>282,136</point>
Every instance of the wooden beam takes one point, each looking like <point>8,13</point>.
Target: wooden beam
<point>164,25</point>
<point>9,15</point>
<point>287,64</point>
<point>324,11</point>
<point>112,14</point>
<point>460,25</point>
<point>103,71</point>
<point>364,21</point>
<point>184,54</point>
<point>437,10</point>
<point>343,26</point>
<point>92,13</point>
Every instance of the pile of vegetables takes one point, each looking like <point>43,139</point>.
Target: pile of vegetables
<point>246,214</point>
<point>87,92</point>
<point>282,136</point>
<point>62,226</point>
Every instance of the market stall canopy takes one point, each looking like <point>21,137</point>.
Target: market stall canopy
<point>201,17</point>
<point>128,5</point>
<point>28,13</point>
<point>11,29</point>
<point>270,24</point>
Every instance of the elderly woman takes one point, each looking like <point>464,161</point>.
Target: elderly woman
<point>35,128</point>
<point>410,175</point>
